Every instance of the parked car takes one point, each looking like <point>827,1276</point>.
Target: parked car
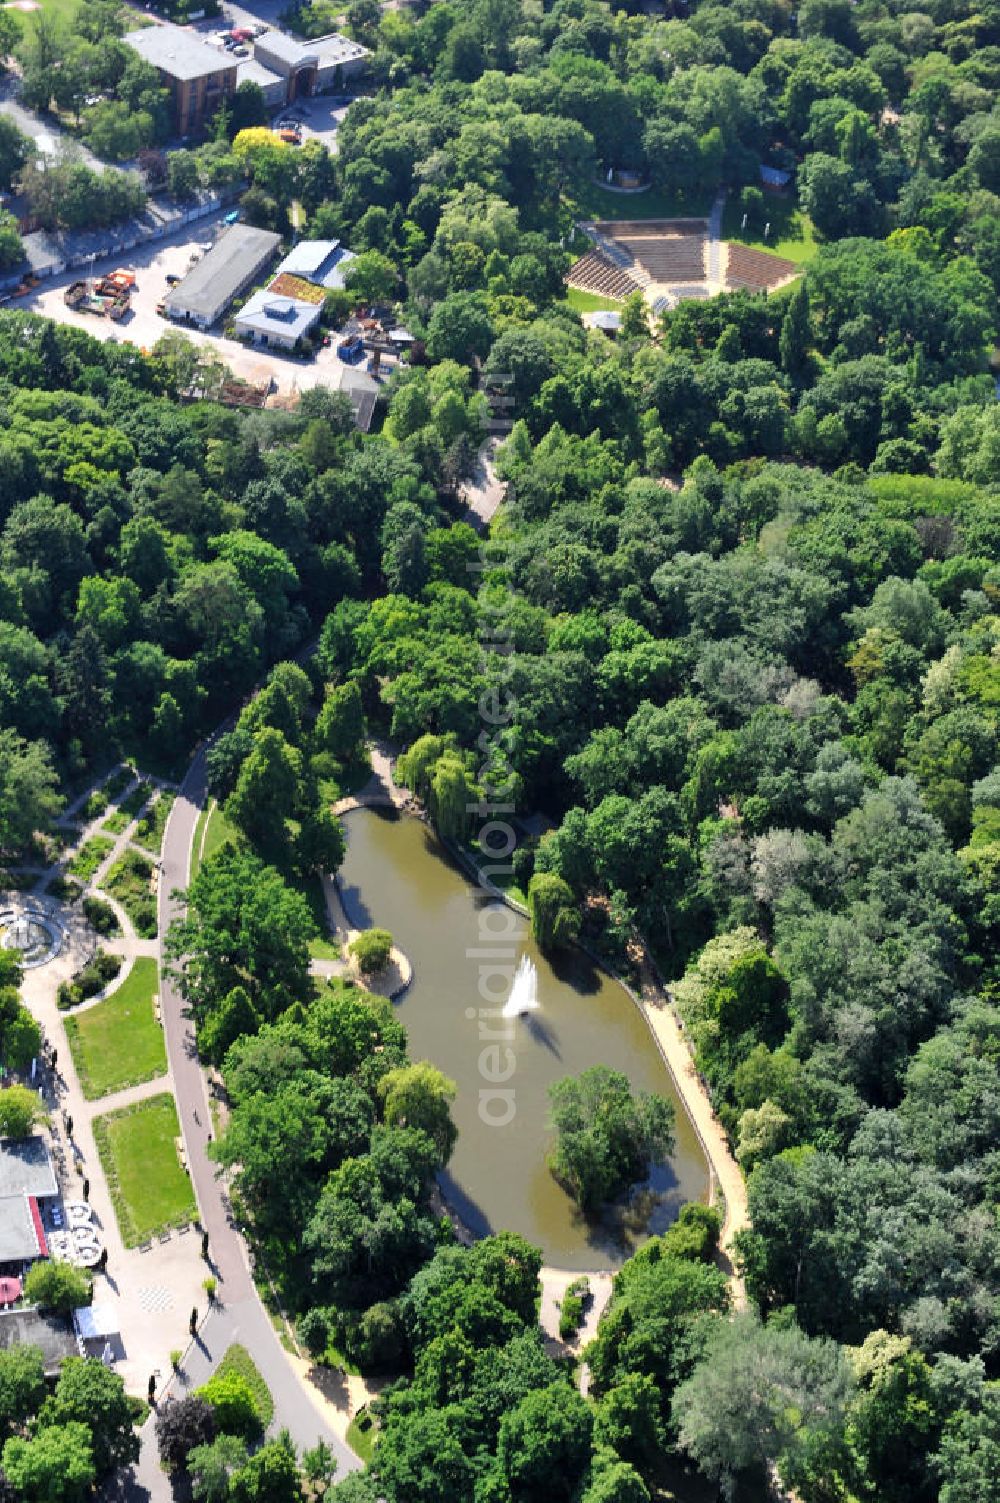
<point>232,217</point>
<point>241,51</point>
<point>172,279</point>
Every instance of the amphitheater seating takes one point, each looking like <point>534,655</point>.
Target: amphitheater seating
<point>669,258</point>
<point>756,270</point>
<point>660,250</point>
<point>595,272</point>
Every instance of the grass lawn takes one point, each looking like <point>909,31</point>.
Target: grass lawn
<point>238,1360</point>
<point>591,201</point>
<point>149,830</point>
<point>129,880</point>
<point>149,1189</point>
<point>323,948</point>
<point>64,10</point>
<point>89,857</point>
<point>119,1043</point>
<point>211,833</point>
<point>361,1433</point>
<point>590,302</point>
<point>791,236</point>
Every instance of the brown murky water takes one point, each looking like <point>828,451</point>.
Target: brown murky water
<point>463,950</point>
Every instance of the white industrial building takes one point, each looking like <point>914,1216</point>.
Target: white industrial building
<point>271,318</point>
<point>232,265</point>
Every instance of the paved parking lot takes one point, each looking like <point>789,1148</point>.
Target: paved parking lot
<point>319,117</point>
<point>143,326</point>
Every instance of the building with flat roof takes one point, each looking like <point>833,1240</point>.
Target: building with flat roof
<point>273,87</point>
<point>314,67</point>
<point>234,262</point>
<point>26,1168</point>
<point>199,76</point>
<point>322,262</point>
<point>271,318</point>
<point>22,1236</point>
<point>52,1334</point>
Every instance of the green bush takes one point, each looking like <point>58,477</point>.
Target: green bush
<point>92,978</point>
<point>57,1286</point>
<point>129,881</point>
<point>371,950</point>
<point>572,1307</point>
<point>239,1361</point>
<point>101,916</point>
<point>21,1110</point>
<point>89,857</point>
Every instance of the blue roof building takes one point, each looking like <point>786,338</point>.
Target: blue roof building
<point>322,262</point>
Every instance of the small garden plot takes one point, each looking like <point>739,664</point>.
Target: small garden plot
<point>239,1361</point>
<point>118,1042</point>
<point>89,857</point>
<point>149,830</point>
<point>150,1190</point>
<point>131,881</point>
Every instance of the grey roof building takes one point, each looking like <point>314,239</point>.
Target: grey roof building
<point>309,67</point>
<point>199,76</point>
<point>25,1168</point>
<point>272,85</point>
<point>52,1334</point>
<point>22,1239</point>
<point>174,50</point>
<point>359,388</point>
<point>322,262</point>
<point>235,261</point>
<point>272,319</point>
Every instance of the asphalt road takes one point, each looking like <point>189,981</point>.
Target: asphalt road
<point>239,1314</point>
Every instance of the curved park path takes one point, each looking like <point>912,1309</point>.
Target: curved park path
<point>239,1314</point>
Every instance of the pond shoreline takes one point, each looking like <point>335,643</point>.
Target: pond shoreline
<point>653,1003</point>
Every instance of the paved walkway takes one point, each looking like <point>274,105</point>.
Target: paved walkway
<point>726,1173</point>
<point>381,789</point>
<point>714,268</point>
<point>484,492</point>
<point>242,1316</point>
<point>151,1290</point>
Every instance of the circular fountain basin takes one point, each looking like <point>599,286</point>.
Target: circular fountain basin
<point>31,932</point>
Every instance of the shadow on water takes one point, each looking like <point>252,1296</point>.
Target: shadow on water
<point>387,813</point>
<point>468,1211</point>
<point>358,913</point>
<point>624,1225</point>
<point>576,970</point>
<point>541,1033</point>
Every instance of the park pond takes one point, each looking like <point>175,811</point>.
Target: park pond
<point>464,948</point>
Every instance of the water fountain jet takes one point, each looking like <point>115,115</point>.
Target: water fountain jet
<point>523,990</point>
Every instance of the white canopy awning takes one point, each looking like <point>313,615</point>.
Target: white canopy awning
<point>96,1322</point>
